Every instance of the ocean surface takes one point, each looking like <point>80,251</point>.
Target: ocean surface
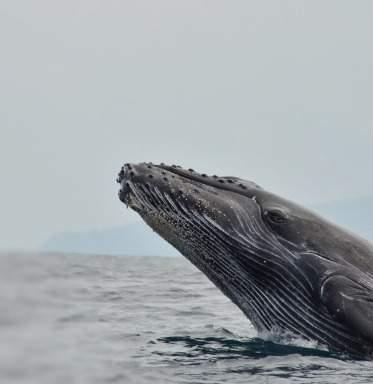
<point>101,319</point>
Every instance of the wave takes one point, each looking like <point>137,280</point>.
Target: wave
<point>254,348</point>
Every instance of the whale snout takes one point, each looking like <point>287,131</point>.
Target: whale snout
<point>143,177</point>
<point>132,173</point>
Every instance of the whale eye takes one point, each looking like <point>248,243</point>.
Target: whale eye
<point>275,217</point>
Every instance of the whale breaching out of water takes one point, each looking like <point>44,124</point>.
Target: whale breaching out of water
<point>289,270</point>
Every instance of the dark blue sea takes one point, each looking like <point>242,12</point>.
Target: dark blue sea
<point>101,319</point>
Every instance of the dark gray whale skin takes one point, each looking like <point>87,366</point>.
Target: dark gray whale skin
<point>290,271</point>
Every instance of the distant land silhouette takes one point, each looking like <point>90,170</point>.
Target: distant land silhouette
<point>136,239</point>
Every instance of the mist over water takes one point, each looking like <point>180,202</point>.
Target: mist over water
<point>99,319</point>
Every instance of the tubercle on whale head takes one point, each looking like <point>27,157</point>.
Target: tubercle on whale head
<point>139,172</point>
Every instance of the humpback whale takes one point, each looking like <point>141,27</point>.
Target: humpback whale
<point>288,269</point>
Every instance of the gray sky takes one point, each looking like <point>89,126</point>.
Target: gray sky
<point>279,92</point>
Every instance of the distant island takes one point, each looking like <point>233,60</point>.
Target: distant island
<point>136,239</point>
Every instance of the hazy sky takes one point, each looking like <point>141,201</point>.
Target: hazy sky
<point>279,92</point>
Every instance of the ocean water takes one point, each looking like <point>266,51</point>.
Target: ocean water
<point>101,319</point>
